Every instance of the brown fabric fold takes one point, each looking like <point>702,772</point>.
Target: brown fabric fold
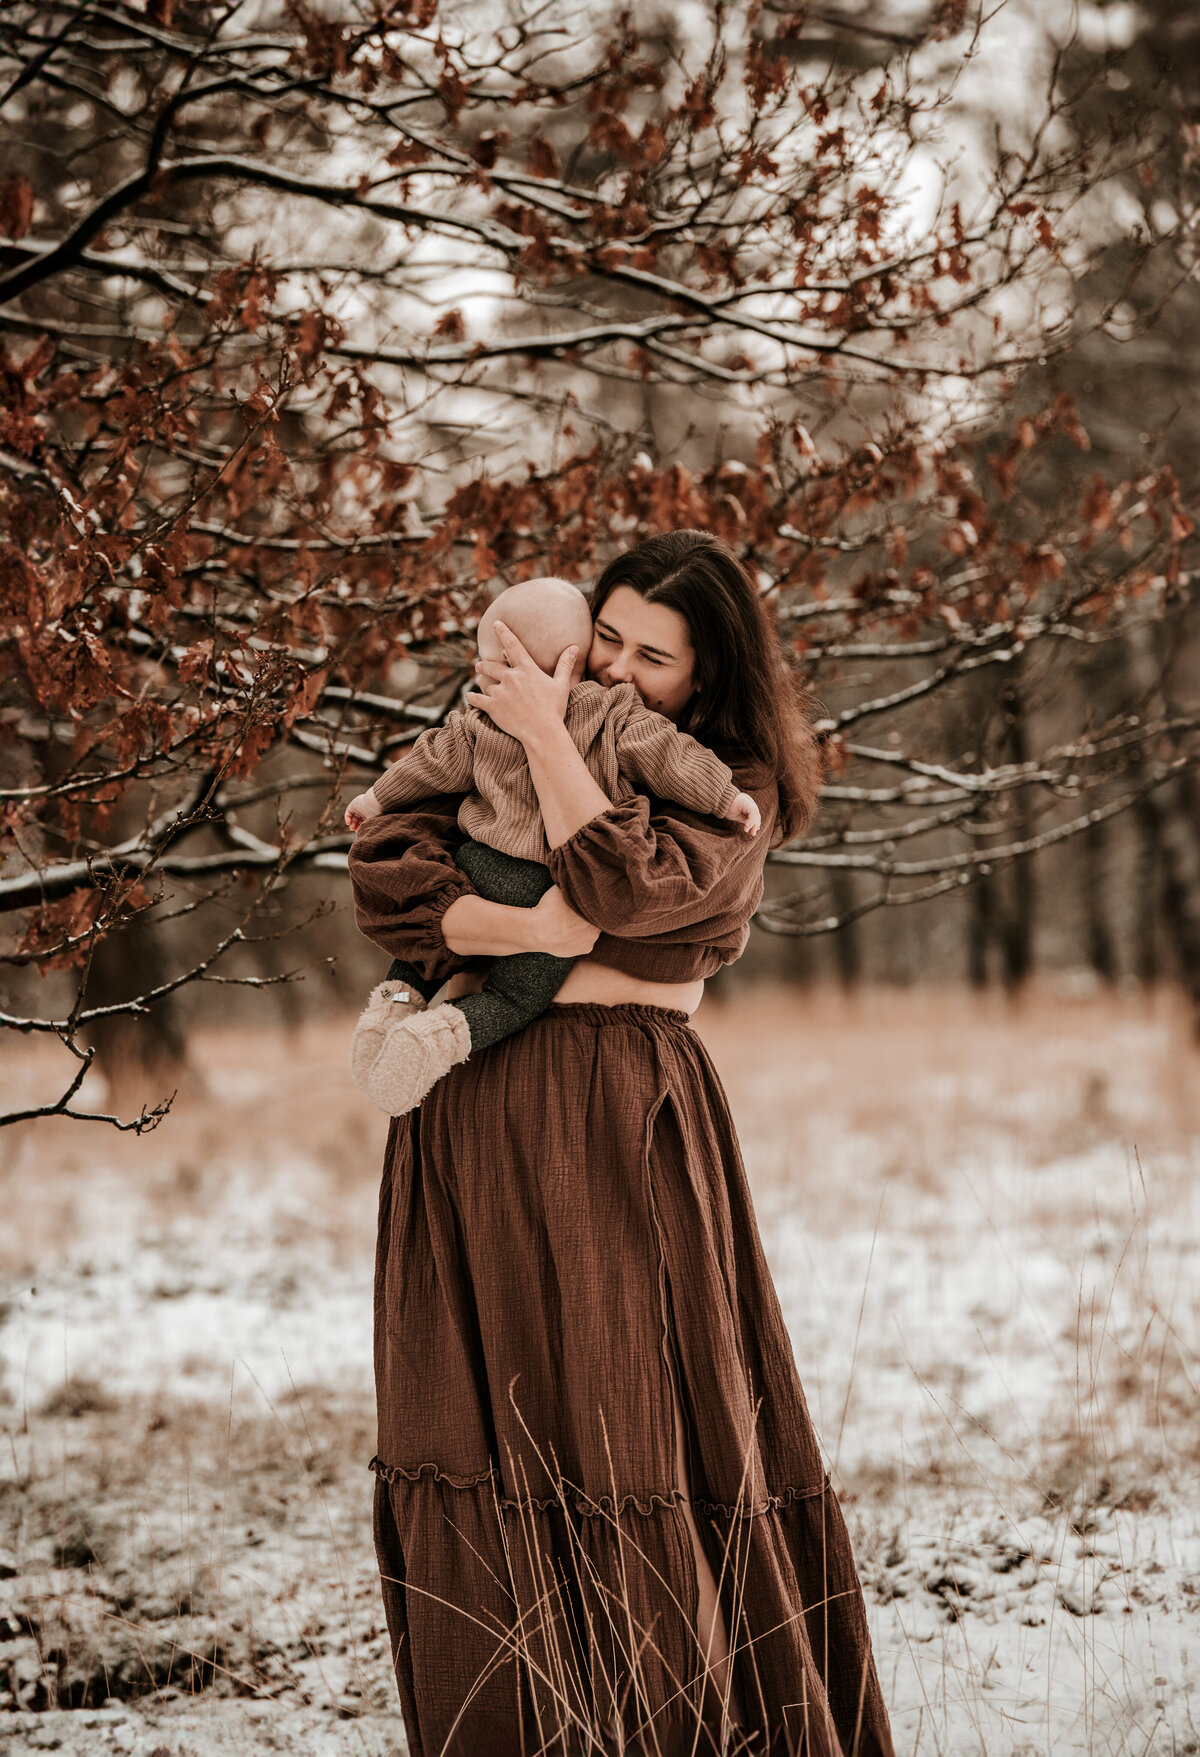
<point>671,891</point>
<point>563,1226</point>
<point>404,879</point>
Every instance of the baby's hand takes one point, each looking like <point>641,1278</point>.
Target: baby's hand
<point>360,809</point>
<point>744,811</point>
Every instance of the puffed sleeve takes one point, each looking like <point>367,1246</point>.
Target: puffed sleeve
<point>404,879</point>
<point>638,871</point>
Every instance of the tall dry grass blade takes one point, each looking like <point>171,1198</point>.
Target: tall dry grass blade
<point>550,1594</point>
<point>739,1579</point>
<point>509,1652</point>
<point>634,1648</point>
<point>576,1551</point>
<point>508,1637</point>
<point>534,1641</point>
<point>333,1540</point>
<point>563,1491</point>
<point>862,1306</point>
<point>632,1642</point>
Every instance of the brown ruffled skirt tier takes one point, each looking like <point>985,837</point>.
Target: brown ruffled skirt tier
<point>567,1251</point>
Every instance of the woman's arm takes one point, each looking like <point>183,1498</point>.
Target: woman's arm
<point>473,927</point>
<point>568,793</point>
<point>413,901</point>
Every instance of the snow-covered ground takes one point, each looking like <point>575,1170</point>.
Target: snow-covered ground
<point>983,1222</point>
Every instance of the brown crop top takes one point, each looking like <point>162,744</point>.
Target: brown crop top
<point>672,892</point>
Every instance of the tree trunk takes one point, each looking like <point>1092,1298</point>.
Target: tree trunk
<point>1149,882</point>
<point>1171,810</point>
<point>979,932</point>
<point>847,940</point>
<point>1101,947</point>
<point>1017,927</point>
<point>143,1057</point>
<point>1178,838</point>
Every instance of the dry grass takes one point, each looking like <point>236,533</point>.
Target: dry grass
<point>982,1219</point>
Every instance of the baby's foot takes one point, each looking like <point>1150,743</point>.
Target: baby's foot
<point>414,1055</point>
<point>388,1004</point>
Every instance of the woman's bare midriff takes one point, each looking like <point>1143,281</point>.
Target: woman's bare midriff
<point>605,987</point>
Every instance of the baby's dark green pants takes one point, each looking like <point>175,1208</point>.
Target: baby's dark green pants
<point>515,989</point>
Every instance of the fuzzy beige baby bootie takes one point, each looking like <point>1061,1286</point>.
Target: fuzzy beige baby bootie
<point>389,1003</point>
<point>413,1056</point>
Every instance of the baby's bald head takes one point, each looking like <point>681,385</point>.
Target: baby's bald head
<point>546,615</point>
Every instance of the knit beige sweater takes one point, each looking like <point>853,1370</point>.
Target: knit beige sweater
<point>627,747</point>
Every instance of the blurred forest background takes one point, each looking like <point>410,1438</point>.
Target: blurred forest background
<point>320,323</point>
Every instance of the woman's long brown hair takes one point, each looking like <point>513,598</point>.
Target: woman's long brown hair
<point>746,699</point>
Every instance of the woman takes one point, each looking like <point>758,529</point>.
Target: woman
<point>599,1498</point>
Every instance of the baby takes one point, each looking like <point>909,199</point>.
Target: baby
<point>400,1049</point>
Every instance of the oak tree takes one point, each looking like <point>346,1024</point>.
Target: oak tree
<point>321,321</point>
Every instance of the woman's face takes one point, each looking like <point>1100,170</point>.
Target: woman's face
<point>647,645</point>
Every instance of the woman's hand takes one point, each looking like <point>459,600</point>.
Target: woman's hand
<point>518,696</point>
<point>558,930</point>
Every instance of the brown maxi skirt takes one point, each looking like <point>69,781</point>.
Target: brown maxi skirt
<point>566,1244</point>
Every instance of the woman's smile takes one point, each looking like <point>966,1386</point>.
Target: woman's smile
<point>645,644</point>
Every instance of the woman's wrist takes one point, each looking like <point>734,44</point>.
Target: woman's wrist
<point>474,928</point>
<point>547,739</point>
